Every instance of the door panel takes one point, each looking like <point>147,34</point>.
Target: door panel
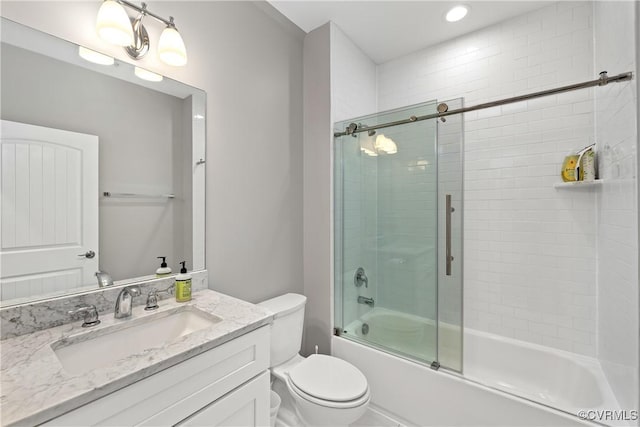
<point>247,405</point>
<point>386,211</point>
<point>49,211</point>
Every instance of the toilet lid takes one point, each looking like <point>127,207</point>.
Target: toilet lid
<point>329,378</point>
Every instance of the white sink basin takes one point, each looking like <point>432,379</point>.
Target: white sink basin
<point>94,349</point>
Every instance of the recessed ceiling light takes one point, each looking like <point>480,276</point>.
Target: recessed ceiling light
<point>147,75</point>
<point>95,57</point>
<point>457,13</point>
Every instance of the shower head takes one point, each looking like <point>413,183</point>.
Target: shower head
<point>371,132</point>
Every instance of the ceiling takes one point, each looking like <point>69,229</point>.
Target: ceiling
<point>388,29</point>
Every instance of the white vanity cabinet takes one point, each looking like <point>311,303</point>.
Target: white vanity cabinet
<point>227,385</point>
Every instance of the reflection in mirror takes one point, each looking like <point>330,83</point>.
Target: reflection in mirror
<point>100,170</point>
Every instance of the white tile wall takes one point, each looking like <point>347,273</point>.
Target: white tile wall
<point>616,134</point>
<point>353,94</point>
<point>353,79</point>
<point>529,249</point>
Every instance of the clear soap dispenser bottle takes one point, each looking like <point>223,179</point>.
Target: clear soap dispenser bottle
<point>163,270</point>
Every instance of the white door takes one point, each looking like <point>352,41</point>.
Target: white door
<point>49,210</point>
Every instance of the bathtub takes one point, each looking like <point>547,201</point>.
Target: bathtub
<point>556,378</point>
<point>504,382</point>
<point>412,336</point>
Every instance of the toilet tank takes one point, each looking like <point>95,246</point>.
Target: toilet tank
<point>286,330</point>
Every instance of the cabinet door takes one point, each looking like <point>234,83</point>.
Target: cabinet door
<point>175,393</point>
<point>247,405</point>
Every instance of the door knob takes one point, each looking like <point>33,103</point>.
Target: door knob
<point>88,254</point>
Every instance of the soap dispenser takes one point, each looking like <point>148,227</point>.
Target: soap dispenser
<point>163,270</point>
<point>183,284</point>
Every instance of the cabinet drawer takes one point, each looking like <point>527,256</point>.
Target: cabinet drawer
<point>177,392</point>
<point>246,406</point>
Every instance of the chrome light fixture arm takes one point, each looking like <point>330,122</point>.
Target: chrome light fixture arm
<point>140,45</point>
<point>144,11</point>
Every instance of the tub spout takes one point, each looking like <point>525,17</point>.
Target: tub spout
<point>368,301</point>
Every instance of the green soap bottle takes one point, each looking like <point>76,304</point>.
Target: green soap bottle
<point>183,285</point>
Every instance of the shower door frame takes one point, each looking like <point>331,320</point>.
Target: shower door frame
<point>339,276</point>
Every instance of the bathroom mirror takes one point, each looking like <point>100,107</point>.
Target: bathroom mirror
<point>101,170</point>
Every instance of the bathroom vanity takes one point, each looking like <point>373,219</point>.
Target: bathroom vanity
<point>208,366</point>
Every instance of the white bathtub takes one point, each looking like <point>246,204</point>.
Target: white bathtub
<point>556,378</point>
<point>404,333</point>
<point>492,364</point>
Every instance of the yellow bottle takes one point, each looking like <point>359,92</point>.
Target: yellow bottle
<point>183,285</point>
<point>569,168</point>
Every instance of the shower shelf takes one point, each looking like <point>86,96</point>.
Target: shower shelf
<point>578,184</point>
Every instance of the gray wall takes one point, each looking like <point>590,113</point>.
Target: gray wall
<point>140,135</point>
<point>317,190</point>
<point>248,59</point>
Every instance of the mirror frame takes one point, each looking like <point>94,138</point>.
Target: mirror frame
<point>34,40</point>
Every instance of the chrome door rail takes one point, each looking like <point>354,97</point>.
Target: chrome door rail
<point>602,81</point>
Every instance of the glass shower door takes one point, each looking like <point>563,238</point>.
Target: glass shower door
<point>386,234</point>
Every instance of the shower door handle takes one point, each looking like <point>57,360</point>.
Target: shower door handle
<point>448,212</point>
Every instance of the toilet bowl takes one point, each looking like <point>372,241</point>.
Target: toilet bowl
<point>320,389</point>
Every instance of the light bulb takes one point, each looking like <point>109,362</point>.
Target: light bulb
<point>171,48</point>
<point>95,57</point>
<point>147,75</point>
<point>386,145</point>
<point>457,13</point>
<point>113,24</point>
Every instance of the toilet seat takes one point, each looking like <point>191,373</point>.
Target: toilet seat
<point>363,400</point>
<point>329,381</point>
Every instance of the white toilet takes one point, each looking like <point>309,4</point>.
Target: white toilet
<point>322,390</point>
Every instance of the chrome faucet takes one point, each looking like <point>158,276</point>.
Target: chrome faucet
<point>124,303</point>
<point>364,300</point>
<point>104,279</point>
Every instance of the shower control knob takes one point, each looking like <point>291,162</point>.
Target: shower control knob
<point>360,278</point>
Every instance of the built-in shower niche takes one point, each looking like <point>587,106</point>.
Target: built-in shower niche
<point>390,194</point>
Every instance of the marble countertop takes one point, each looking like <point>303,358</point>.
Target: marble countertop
<point>36,388</point>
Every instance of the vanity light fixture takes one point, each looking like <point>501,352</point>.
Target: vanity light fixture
<point>171,48</point>
<point>457,13</point>
<point>115,26</point>
<point>147,75</point>
<point>95,57</point>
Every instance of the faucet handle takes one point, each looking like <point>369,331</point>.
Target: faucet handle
<point>152,298</point>
<point>90,315</point>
